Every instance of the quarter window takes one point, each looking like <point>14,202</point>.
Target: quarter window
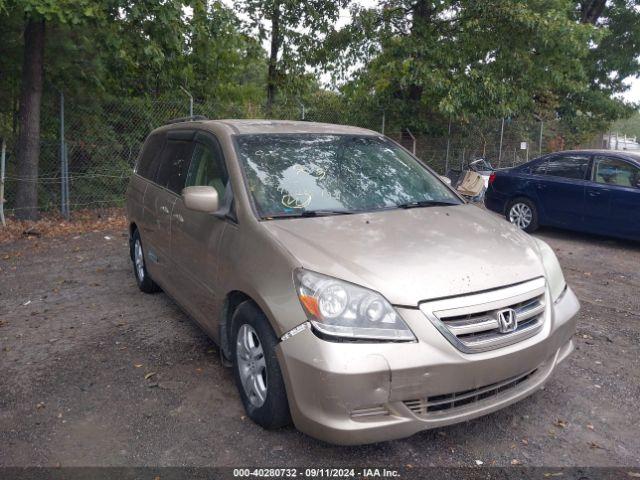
<point>174,165</point>
<point>568,166</point>
<point>207,169</point>
<point>613,171</point>
<point>539,168</point>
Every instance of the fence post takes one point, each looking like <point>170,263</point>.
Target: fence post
<point>302,111</point>
<point>383,121</point>
<point>446,158</point>
<point>501,137</point>
<point>2,158</point>
<point>413,139</point>
<point>540,140</point>
<point>63,167</point>
<point>190,100</point>
<point>67,210</point>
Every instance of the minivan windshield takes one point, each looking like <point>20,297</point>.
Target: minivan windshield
<point>326,174</point>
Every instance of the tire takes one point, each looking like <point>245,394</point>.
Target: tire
<point>143,279</point>
<point>523,213</point>
<point>256,369</point>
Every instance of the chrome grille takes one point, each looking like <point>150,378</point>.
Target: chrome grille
<point>450,401</point>
<point>471,322</point>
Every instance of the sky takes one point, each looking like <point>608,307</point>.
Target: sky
<point>633,94</point>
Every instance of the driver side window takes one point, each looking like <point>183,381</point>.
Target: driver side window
<point>613,171</point>
<point>207,169</point>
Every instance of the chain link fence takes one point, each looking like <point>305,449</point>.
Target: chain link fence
<point>88,148</point>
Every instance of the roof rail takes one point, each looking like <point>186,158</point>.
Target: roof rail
<point>193,118</point>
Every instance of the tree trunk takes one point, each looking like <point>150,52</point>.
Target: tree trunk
<point>28,146</point>
<point>272,73</point>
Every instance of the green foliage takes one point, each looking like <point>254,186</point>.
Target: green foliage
<point>628,126</point>
<point>427,61</point>
<point>295,29</point>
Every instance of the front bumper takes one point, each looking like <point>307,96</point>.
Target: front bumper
<point>356,393</point>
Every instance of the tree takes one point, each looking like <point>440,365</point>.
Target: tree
<point>295,29</point>
<point>37,14</point>
<point>222,62</point>
<point>427,61</point>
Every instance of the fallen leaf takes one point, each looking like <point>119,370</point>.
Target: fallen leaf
<point>515,461</point>
<point>479,462</point>
<point>560,423</point>
<point>137,365</point>
<point>40,405</point>
<point>634,474</point>
<point>594,445</point>
<point>553,474</point>
<point>149,375</point>
<point>589,426</point>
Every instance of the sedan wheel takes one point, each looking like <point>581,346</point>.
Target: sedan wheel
<point>251,365</point>
<point>521,215</point>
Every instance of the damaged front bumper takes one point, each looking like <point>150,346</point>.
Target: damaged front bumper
<point>356,393</point>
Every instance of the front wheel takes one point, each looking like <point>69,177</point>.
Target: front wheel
<point>143,279</point>
<point>523,214</point>
<point>256,369</point>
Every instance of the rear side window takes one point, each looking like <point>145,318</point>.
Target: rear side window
<point>174,164</point>
<point>150,156</point>
<point>568,166</point>
<point>538,168</point>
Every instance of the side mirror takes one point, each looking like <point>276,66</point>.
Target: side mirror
<point>201,199</point>
<point>446,180</point>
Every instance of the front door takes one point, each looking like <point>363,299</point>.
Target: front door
<point>613,197</point>
<point>561,191</point>
<point>196,235</point>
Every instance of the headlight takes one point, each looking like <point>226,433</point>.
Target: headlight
<point>555,278</point>
<point>342,309</point>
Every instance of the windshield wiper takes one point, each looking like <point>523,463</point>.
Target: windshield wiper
<point>425,203</point>
<point>309,213</point>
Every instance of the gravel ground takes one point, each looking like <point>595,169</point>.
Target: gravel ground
<point>93,372</point>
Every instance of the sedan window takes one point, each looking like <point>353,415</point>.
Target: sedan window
<point>539,168</point>
<point>568,166</point>
<point>613,171</point>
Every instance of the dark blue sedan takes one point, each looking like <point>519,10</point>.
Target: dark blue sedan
<point>596,191</point>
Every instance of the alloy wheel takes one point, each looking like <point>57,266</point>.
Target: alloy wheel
<point>251,365</point>
<point>521,215</point>
<point>139,259</point>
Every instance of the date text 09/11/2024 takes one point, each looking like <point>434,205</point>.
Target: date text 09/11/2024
<point>315,472</point>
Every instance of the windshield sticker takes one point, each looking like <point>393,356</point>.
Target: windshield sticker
<point>312,170</point>
<point>296,200</point>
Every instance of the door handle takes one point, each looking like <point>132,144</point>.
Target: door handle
<point>164,209</point>
<point>178,217</point>
<point>593,193</point>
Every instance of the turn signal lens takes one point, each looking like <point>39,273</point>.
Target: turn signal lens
<point>492,178</point>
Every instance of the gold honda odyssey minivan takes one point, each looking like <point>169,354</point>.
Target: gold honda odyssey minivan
<point>352,291</point>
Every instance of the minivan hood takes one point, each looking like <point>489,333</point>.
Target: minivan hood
<point>415,254</point>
